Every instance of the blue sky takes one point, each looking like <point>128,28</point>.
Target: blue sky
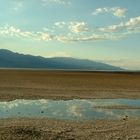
<point>102,30</point>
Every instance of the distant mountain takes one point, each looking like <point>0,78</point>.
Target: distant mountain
<point>9,59</point>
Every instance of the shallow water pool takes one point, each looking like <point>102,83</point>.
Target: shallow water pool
<point>71,109</point>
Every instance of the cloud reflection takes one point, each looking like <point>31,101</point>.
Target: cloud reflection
<point>71,110</point>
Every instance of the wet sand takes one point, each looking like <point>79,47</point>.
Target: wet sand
<point>25,84</point>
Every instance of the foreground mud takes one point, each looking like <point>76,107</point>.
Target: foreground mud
<point>45,129</point>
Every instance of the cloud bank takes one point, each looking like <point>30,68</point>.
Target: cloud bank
<point>76,31</point>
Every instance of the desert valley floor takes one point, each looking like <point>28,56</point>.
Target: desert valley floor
<point>66,85</point>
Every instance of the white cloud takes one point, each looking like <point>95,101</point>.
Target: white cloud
<point>80,31</point>
<point>45,2</point>
<point>72,38</point>
<point>100,11</point>
<point>119,12</point>
<point>78,27</point>
<point>116,11</point>
<point>76,31</point>
<point>45,36</point>
<point>112,28</point>
<point>16,32</point>
<point>18,4</point>
<point>130,26</point>
<point>87,38</point>
<point>60,24</point>
<point>133,22</point>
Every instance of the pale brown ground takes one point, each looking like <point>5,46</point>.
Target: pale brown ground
<point>18,84</point>
<point>45,129</point>
<point>15,84</point>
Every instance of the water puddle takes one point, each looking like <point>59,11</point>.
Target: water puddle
<point>71,109</point>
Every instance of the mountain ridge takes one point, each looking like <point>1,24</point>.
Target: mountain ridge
<point>9,59</point>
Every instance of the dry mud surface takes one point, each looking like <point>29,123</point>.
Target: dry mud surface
<point>26,84</point>
<point>29,84</point>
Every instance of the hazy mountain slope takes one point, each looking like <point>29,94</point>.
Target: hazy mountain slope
<point>10,59</point>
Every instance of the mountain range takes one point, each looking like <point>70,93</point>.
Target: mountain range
<point>9,59</point>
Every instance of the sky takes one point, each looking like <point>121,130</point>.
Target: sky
<point>101,30</point>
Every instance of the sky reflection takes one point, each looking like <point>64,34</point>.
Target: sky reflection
<point>71,109</point>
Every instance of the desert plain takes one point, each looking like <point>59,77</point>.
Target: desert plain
<point>67,85</point>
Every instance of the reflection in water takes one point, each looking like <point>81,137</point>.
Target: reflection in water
<point>72,109</point>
